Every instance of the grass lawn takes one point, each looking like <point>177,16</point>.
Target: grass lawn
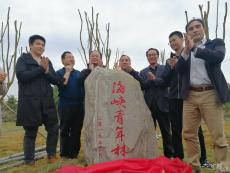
<point>11,139</point>
<point>12,143</point>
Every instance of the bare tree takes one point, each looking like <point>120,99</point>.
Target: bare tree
<point>162,56</point>
<point>217,17</point>
<point>116,61</point>
<point>225,18</point>
<point>95,40</point>
<point>186,16</point>
<point>205,14</point>
<point>9,53</point>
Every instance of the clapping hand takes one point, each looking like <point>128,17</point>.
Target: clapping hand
<point>45,64</point>
<point>151,76</point>
<point>189,44</point>
<point>172,62</point>
<point>2,76</point>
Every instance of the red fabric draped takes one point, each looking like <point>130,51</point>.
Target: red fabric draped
<point>158,165</point>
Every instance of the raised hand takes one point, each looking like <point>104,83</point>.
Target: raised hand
<point>129,69</point>
<point>69,68</point>
<point>92,66</point>
<point>116,66</point>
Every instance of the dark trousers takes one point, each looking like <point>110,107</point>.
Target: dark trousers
<point>71,121</point>
<point>176,114</point>
<point>164,125</point>
<point>30,138</point>
<point>203,156</point>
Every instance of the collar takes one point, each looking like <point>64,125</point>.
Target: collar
<point>179,53</point>
<point>36,58</point>
<point>202,42</point>
<point>153,68</point>
<point>63,68</point>
<point>29,59</point>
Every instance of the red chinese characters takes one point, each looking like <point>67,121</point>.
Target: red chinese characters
<point>118,88</point>
<point>119,117</point>
<point>119,134</point>
<point>120,150</point>
<point>100,136</point>
<point>118,101</point>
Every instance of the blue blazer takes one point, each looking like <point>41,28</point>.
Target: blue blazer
<point>213,54</point>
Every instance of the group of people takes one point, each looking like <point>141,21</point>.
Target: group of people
<point>189,88</point>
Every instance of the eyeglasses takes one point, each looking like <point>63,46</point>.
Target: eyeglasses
<point>152,54</point>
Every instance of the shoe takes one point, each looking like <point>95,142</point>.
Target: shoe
<point>52,159</point>
<point>207,164</point>
<point>63,158</point>
<point>196,171</point>
<point>74,156</point>
<point>30,162</point>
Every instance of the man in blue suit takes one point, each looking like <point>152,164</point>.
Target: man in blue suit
<point>70,108</point>
<point>157,98</point>
<point>204,90</point>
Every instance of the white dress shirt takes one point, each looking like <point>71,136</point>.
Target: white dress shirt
<point>198,72</point>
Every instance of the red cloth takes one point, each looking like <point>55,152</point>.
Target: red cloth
<point>158,165</point>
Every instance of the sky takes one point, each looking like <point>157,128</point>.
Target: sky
<point>136,25</point>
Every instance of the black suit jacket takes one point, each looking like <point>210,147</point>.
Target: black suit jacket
<point>35,94</point>
<point>213,54</point>
<point>155,92</point>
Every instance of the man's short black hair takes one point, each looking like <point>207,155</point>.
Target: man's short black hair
<point>64,54</point>
<point>177,33</point>
<point>193,20</point>
<point>36,37</point>
<point>157,51</point>
<point>96,51</point>
<point>123,56</point>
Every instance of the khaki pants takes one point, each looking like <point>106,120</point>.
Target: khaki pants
<point>207,106</point>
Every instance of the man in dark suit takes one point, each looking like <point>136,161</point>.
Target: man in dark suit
<point>35,75</point>
<point>157,98</point>
<point>204,90</point>
<point>174,80</point>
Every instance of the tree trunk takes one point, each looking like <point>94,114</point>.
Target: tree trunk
<point>1,117</point>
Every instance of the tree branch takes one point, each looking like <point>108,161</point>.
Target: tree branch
<point>81,42</point>
<point>225,18</point>
<point>217,16</point>
<point>186,15</point>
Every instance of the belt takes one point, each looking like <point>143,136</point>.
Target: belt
<point>201,88</point>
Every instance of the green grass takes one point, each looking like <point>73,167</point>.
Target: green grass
<point>12,143</point>
<point>11,139</point>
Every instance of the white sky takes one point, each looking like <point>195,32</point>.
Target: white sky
<point>136,25</point>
